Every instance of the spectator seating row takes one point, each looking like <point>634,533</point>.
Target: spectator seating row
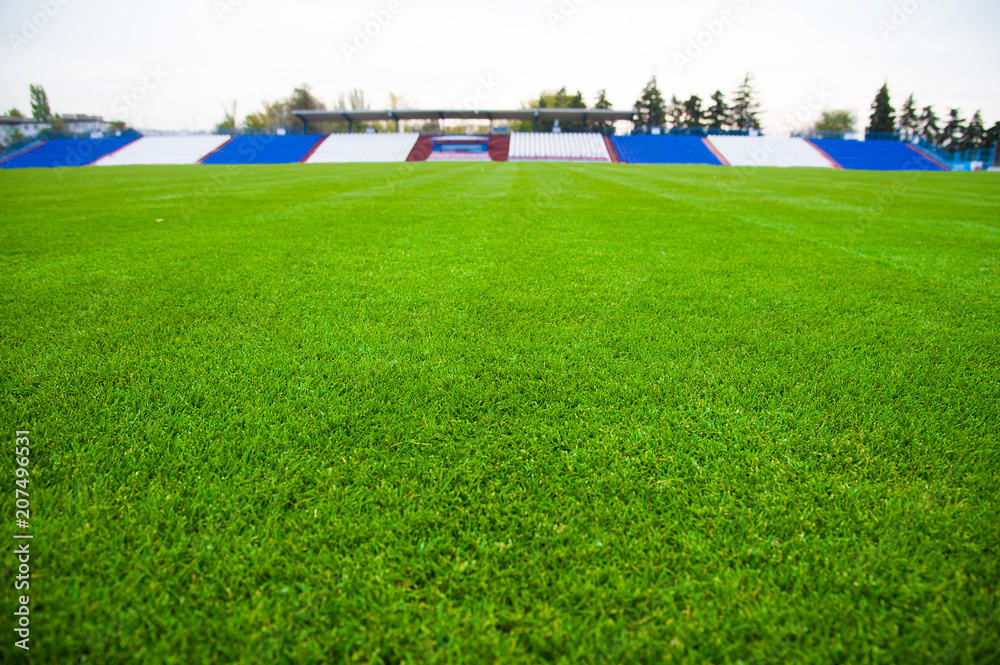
<point>876,155</point>
<point>65,152</point>
<point>558,147</point>
<point>767,151</point>
<point>164,150</point>
<point>364,148</point>
<point>459,157</point>
<point>264,149</point>
<point>663,149</point>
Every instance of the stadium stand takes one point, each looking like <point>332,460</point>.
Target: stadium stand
<point>164,150</point>
<point>66,152</point>
<point>665,149</point>
<point>764,151</point>
<point>264,149</point>
<point>364,148</point>
<point>876,155</point>
<point>558,147</point>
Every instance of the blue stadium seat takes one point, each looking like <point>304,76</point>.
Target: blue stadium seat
<point>663,149</point>
<point>875,155</point>
<point>264,149</point>
<point>66,152</point>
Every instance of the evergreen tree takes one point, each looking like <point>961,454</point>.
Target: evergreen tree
<point>693,112</point>
<point>602,100</point>
<point>649,108</point>
<point>675,114</point>
<point>40,103</point>
<point>717,115</point>
<point>883,118</point>
<point>992,139</point>
<point>992,136</point>
<point>975,134</point>
<point>745,109</point>
<point>951,135</point>
<point>928,127</point>
<point>908,120</point>
<point>602,126</point>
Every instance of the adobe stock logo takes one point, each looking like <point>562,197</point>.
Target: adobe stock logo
<point>30,27</point>
<point>224,7</point>
<point>132,99</point>
<point>486,88</point>
<point>381,19</point>
<point>900,16</point>
<point>562,13</point>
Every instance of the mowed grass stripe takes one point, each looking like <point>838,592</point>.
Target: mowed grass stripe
<point>514,412</point>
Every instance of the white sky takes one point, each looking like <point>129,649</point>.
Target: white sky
<point>90,53</point>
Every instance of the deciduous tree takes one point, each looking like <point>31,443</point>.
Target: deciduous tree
<point>839,120</point>
<point>40,104</point>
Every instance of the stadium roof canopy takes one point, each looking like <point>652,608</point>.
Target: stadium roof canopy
<point>12,120</point>
<point>529,115</point>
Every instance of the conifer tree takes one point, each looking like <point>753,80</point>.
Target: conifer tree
<point>745,109</point>
<point>717,115</point>
<point>908,120</point>
<point>928,127</point>
<point>951,135</point>
<point>649,108</point>
<point>883,118</point>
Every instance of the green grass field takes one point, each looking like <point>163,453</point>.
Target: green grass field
<point>514,413</point>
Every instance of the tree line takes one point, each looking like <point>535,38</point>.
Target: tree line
<point>913,121</point>
<point>741,114</point>
<point>717,113</point>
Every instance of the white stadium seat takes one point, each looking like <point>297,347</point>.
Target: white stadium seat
<point>164,150</point>
<point>766,151</point>
<point>559,147</point>
<point>364,148</point>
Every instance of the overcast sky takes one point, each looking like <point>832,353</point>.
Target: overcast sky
<point>172,64</point>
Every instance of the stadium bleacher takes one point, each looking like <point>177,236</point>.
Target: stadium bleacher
<point>364,148</point>
<point>876,155</point>
<point>766,151</point>
<point>389,147</point>
<point>558,147</point>
<point>65,152</point>
<point>164,150</point>
<point>664,149</point>
<point>264,149</point>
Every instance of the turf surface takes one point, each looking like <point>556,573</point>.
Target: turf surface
<point>504,413</point>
